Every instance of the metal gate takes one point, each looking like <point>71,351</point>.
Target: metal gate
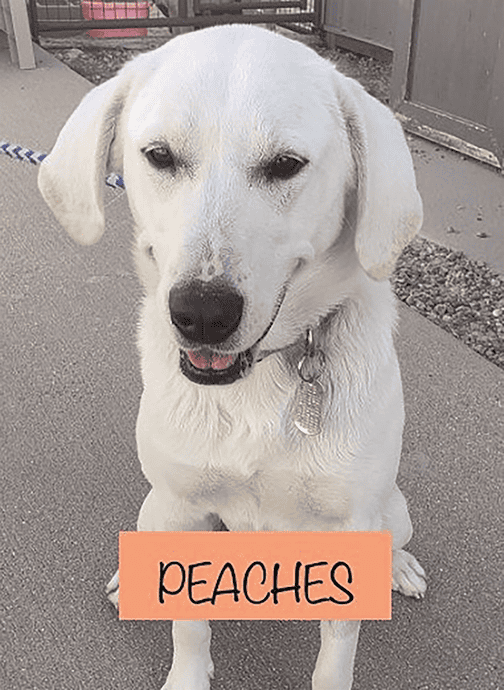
<point>67,15</point>
<point>448,74</point>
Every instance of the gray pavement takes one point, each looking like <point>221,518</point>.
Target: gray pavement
<point>463,202</point>
<point>69,478</point>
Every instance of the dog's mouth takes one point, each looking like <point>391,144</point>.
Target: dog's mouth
<point>210,368</point>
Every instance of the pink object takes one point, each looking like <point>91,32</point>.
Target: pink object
<point>214,361</point>
<point>93,10</point>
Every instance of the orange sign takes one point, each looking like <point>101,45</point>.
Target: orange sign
<point>255,575</point>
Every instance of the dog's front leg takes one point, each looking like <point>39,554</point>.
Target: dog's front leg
<point>192,665</point>
<point>334,667</point>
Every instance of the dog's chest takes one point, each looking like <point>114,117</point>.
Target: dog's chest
<point>276,495</point>
<point>243,461</point>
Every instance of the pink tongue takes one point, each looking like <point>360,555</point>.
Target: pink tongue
<point>198,359</point>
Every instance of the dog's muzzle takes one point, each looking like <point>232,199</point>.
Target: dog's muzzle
<point>207,314</point>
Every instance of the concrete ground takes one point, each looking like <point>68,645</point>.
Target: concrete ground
<point>463,202</point>
<point>70,480</point>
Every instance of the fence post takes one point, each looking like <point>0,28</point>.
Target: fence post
<point>17,27</point>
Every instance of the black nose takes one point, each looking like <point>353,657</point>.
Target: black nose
<point>205,313</point>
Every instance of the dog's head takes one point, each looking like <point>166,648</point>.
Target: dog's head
<point>263,183</point>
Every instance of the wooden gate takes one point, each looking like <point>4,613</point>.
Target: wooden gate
<point>448,74</point>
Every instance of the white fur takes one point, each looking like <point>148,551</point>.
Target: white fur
<point>226,100</point>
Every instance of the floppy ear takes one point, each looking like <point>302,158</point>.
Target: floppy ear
<point>390,208</point>
<point>72,177</point>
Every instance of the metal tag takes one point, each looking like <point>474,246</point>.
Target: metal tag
<point>308,407</point>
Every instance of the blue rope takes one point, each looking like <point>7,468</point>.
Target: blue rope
<point>26,155</point>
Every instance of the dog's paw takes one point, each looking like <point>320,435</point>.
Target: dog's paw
<point>112,590</point>
<point>408,576</point>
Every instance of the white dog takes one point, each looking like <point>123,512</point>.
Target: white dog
<point>271,197</point>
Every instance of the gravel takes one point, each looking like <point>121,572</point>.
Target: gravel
<point>94,63</point>
<point>462,296</point>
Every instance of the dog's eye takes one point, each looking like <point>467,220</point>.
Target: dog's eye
<point>150,252</point>
<point>284,167</point>
<point>161,157</point>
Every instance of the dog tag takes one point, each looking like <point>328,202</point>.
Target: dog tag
<point>308,408</point>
